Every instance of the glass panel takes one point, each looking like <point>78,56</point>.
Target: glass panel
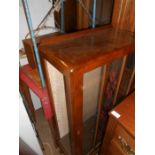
<point>126,77</point>
<point>58,92</point>
<point>90,100</point>
<point>110,88</point>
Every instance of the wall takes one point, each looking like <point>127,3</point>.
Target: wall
<point>38,9</point>
<point>26,130</point>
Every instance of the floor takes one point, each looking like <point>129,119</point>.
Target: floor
<point>45,134</point>
<point>89,130</point>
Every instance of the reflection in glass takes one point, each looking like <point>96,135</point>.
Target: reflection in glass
<point>90,101</point>
<point>113,72</point>
<point>126,77</point>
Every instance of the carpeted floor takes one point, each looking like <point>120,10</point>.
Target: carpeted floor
<point>45,134</point>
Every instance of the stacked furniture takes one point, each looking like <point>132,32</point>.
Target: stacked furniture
<point>85,72</point>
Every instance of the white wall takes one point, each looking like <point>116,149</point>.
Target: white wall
<point>26,130</point>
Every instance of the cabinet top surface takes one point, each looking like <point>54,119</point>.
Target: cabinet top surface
<point>126,109</point>
<point>77,52</point>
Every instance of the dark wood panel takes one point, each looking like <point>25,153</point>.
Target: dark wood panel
<point>70,16</point>
<point>30,54</point>
<point>120,132</point>
<point>120,129</point>
<point>104,10</point>
<point>124,14</point>
<point>127,111</point>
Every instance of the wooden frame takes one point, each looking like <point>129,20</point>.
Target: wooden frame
<point>73,72</point>
<point>27,96</point>
<point>74,96</point>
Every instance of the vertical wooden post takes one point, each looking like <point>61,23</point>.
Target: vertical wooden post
<point>120,79</point>
<point>82,16</point>
<point>100,101</point>
<point>27,95</point>
<point>123,14</point>
<point>74,94</point>
<point>130,82</point>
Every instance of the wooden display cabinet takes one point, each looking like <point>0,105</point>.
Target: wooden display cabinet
<point>87,73</point>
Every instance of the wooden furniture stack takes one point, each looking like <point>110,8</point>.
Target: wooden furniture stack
<point>120,133</point>
<point>87,73</point>
<point>68,60</point>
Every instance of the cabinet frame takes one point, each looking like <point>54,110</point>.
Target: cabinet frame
<point>73,80</point>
